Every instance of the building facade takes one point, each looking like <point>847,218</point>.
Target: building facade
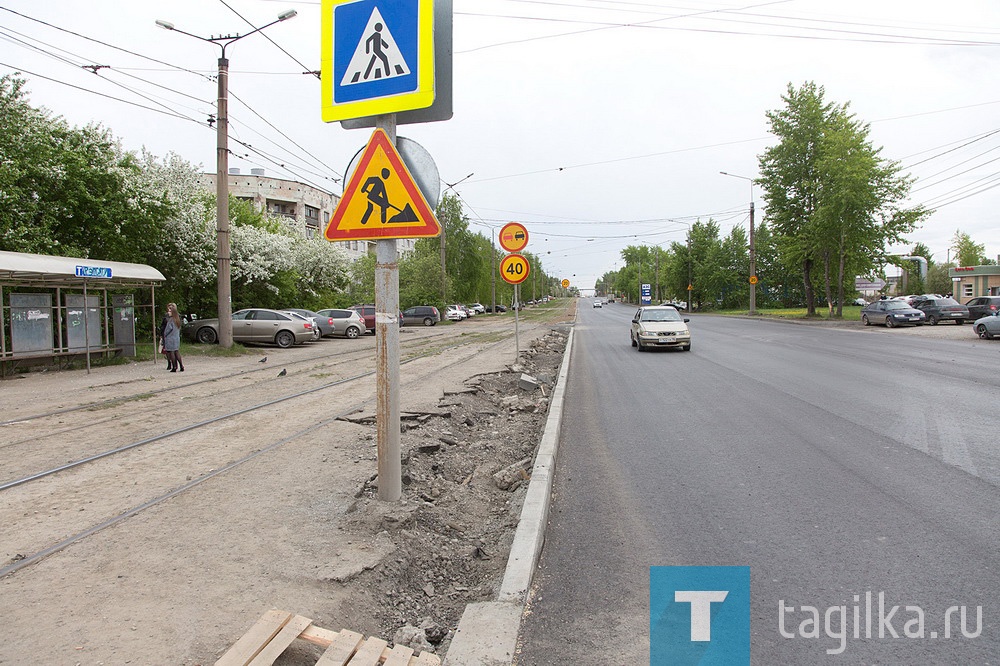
<point>973,281</point>
<point>303,203</point>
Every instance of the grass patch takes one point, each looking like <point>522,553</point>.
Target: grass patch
<point>115,403</point>
<point>850,313</point>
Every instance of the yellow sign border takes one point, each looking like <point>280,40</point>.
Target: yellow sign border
<point>420,98</point>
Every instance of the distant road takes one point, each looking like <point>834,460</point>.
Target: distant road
<point>833,462</point>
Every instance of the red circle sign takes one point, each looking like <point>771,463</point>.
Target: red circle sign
<point>513,237</point>
<point>514,269</point>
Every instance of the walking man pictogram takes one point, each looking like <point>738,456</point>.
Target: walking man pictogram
<point>374,45</point>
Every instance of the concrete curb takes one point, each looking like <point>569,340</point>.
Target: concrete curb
<point>487,632</point>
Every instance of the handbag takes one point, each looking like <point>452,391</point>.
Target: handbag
<point>161,346</point>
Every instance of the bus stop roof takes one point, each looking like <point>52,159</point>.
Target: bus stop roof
<point>41,270</point>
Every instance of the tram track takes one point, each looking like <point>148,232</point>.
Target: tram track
<point>66,530</point>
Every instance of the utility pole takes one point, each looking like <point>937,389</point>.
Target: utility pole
<point>224,265</point>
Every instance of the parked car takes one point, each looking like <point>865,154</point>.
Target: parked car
<point>892,313</point>
<point>942,309</point>
<point>324,325</point>
<point>347,323</point>
<point>469,312</point>
<point>988,326</point>
<point>311,320</point>
<point>478,308</point>
<point>983,306</point>
<point>367,313</point>
<point>426,315</point>
<point>659,326</point>
<point>258,325</point>
<point>859,301</point>
<point>454,313</point>
<point>499,308</point>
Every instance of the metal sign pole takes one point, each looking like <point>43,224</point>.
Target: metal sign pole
<point>517,306</point>
<point>390,485</point>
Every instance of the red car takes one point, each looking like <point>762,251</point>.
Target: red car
<point>367,313</point>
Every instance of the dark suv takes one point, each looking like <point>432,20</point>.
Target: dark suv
<point>426,315</point>
<point>984,306</point>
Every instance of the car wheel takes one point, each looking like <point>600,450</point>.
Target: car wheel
<point>428,321</point>
<point>932,320</point>
<point>352,332</point>
<point>686,347</point>
<point>207,335</point>
<point>959,321</point>
<point>983,332</point>
<point>864,320</point>
<point>631,339</point>
<point>890,322</point>
<point>284,339</point>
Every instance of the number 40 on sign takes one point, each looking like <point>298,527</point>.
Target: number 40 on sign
<point>514,269</point>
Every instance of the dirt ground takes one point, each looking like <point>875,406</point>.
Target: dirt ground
<point>296,528</point>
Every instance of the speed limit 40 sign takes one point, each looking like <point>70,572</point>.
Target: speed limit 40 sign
<point>514,269</point>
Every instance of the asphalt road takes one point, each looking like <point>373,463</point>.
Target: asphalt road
<point>833,462</point>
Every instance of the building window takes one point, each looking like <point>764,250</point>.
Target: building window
<point>967,290</point>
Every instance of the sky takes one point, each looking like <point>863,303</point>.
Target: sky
<point>596,124</point>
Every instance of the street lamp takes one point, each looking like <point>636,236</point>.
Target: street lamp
<point>753,248</point>
<point>225,309</point>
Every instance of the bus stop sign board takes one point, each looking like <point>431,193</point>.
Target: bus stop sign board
<point>377,57</point>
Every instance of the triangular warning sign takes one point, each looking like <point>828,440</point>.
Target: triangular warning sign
<point>381,199</point>
<point>376,56</point>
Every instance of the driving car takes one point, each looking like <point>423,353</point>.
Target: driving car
<point>983,306</point>
<point>347,323</point>
<point>255,325</point>
<point>659,326</point>
<point>988,326</point>
<point>426,315</point>
<point>942,309</point>
<point>324,326</point>
<point>892,313</point>
<point>598,303</point>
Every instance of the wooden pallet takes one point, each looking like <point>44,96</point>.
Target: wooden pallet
<point>276,630</point>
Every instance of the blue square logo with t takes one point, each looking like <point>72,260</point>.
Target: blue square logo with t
<point>699,616</point>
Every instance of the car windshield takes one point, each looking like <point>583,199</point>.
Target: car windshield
<point>896,305</point>
<point>946,301</point>
<point>660,315</point>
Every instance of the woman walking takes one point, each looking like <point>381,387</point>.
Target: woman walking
<point>172,339</point>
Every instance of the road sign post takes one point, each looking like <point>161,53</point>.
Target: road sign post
<point>515,269</point>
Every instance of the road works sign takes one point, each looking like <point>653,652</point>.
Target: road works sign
<point>377,57</point>
<point>514,268</point>
<point>381,199</point>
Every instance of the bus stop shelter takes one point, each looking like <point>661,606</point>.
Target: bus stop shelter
<point>67,307</point>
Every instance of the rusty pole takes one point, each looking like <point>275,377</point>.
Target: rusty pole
<point>390,487</point>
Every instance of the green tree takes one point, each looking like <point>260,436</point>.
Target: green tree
<point>967,252</point>
<point>69,191</point>
<point>833,201</point>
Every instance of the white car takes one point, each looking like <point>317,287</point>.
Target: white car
<point>659,326</point>
<point>478,308</point>
<point>454,313</point>
<point>598,303</point>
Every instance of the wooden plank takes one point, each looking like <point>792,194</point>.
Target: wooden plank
<point>258,636</point>
<point>318,635</point>
<point>341,649</point>
<point>277,645</point>
<point>370,653</point>
<point>400,656</point>
<point>426,659</point>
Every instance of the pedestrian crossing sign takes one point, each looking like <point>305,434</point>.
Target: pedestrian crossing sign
<point>377,57</point>
<point>381,200</point>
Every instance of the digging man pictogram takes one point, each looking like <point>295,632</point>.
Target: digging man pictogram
<point>374,189</point>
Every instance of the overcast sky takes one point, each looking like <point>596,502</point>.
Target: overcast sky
<point>597,124</point>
